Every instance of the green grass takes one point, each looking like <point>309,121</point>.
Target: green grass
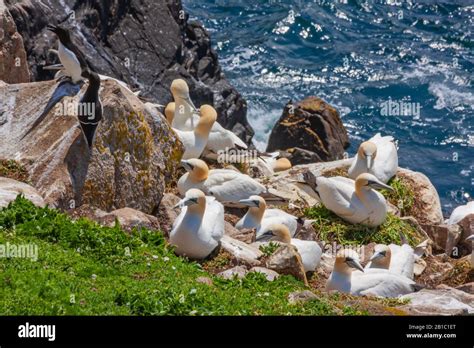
<point>269,248</point>
<point>85,269</point>
<point>402,197</point>
<point>332,228</point>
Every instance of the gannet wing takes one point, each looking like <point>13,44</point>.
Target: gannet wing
<point>231,186</point>
<point>403,261</point>
<point>215,211</point>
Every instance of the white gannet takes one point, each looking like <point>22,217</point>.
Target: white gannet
<point>270,164</point>
<point>309,250</point>
<point>199,227</point>
<point>186,117</point>
<point>471,239</point>
<point>260,218</point>
<point>398,259</point>
<point>195,141</point>
<point>354,201</point>
<point>377,156</point>
<point>461,212</point>
<point>378,282</point>
<point>72,59</point>
<point>227,186</point>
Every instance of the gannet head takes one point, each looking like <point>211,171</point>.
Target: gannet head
<point>208,117</point>
<point>179,89</point>
<point>282,164</point>
<point>278,232</point>
<point>254,202</point>
<point>192,197</point>
<point>62,33</point>
<point>367,181</point>
<point>346,261</point>
<point>382,256</point>
<point>367,151</point>
<point>470,238</point>
<point>197,169</point>
<point>169,112</point>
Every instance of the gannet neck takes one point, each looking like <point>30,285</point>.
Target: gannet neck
<point>281,164</point>
<point>342,269</point>
<point>169,112</point>
<point>383,257</point>
<point>200,171</point>
<point>257,213</point>
<point>197,209</point>
<point>207,120</point>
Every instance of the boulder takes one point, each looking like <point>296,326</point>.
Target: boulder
<point>312,125</point>
<point>13,63</point>
<point>129,38</point>
<point>231,273</point>
<point>241,252</point>
<point>427,208</point>
<point>444,237</point>
<point>469,288</point>
<point>268,273</point>
<point>167,214</point>
<point>205,280</point>
<point>467,229</point>
<point>441,301</point>
<point>10,189</point>
<point>246,235</point>
<point>132,158</point>
<point>287,260</point>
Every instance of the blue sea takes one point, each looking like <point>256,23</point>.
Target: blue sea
<point>402,68</point>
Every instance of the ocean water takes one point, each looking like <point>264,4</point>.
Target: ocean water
<point>402,68</point>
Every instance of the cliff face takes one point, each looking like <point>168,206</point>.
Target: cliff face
<point>145,43</point>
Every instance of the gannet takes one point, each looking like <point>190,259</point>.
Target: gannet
<point>395,258</point>
<point>270,163</point>
<point>309,251</point>
<point>90,107</point>
<point>354,201</point>
<point>227,186</point>
<point>379,282</point>
<point>461,212</point>
<point>195,141</point>
<point>169,112</point>
<point>377,156</point>
<point>471,239</point>
<point>72,59</point>
<point>199,227</point>
<point>260,218</point>
<point>186,117</point>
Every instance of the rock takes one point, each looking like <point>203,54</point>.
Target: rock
<point>444,301</point>
<point>301,297</point>
<point>205,280</point>
<point>307,231</point>
<point>246,235</point>
<point>132,158</point>
<point>241,252</point>
<point>167,214</point>
<point>297,155</point>
<point>231,273</point>
<point>445,237</point>
<point>427,203</point>
<point>467,228</point>
<point>10,189</point>
<point>13,63</point>
<point>286,260</point>
<point>128,38</point>
<point>419,267</point>
<point>327,262</point>
<point>312,125</point>
<point>469,288</point>
<point>269,274</point>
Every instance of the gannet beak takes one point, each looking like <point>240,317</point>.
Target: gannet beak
<point>355,264</point>
<point>186,165</point>
<point>248,202</point>
<point>377,256</point>
<point>369,161</point>
<point>470,238</point>
<point>185,202</point>
<point>379,185</point>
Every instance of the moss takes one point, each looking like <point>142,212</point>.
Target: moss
<point>403,196</point>
<point>332,228</point>
<point>13,170</point>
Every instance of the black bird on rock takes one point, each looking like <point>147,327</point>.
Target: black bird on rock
<point>90,108</point>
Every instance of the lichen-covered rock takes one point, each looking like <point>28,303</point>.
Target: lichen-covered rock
<point>10,189</point>
<point>286,260</point>
<point>269,274</point>
<point>246,235</point>
<point>312,125</point>
<point>237,271</point>
<point>301,297</point>
<point>167,213</point>
<point>444,237</point>
<point>13,63</point>
<point>132,158</point>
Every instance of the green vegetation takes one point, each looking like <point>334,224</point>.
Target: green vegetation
<point>269,248</point>
<point>332,228</point>
<point>13,170</point>
<point>402,197</point>
<point>85,269</point>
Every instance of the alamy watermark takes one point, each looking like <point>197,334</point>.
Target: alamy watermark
<point>22,251</point>
<point>67,108</point>
<point>402,107</point>
<point>232,155</point>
